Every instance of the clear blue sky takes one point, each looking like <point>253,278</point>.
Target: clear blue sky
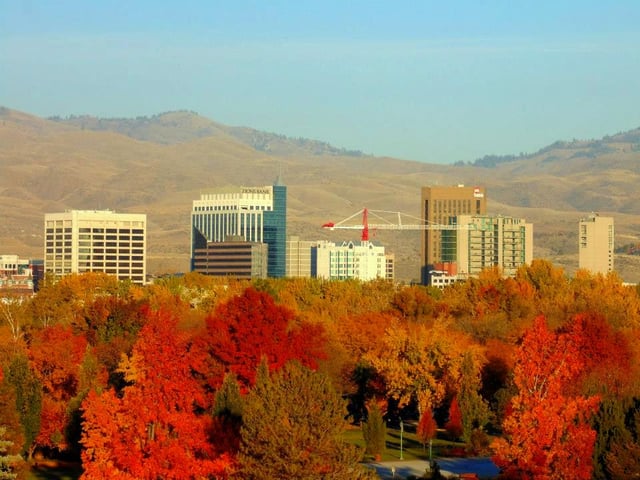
<point>436,81</point>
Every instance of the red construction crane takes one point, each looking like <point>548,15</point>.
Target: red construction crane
<point>365,226</point>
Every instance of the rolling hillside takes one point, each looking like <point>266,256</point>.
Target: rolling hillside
<point>159,164</point>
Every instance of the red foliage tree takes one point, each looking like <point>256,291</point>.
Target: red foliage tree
<point>250,327</point>
<point>605,354</point>
<point>55,356</point>
<point>547,433</point>
<point>427,428</point>
<point>158,428</point>
<point>454,425</point>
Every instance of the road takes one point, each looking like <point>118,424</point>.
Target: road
<point>449,467</point>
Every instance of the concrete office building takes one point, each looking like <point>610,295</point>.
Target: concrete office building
<point>441,206</point>
<point>256,214</point>
<point>596,244</point>
<point>493,241</point>
<point>78,241</point>
<point>233,257</point>
<point>351,260</point>
<point>299,259</point>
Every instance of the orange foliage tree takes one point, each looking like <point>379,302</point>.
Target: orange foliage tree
<point>158,427</point>
<point>547,433</point>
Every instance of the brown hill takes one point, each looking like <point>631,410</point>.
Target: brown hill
<point>158,165</point>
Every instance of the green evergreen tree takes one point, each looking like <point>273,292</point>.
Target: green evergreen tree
<point>475,410</point>
<point>609,424</point>
<point>292,428</point>
<point>28,400</point>
<point>621,459</point>
<point>228,401</point>
<point>374,431</point>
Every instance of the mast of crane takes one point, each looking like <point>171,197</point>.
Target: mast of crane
<point>365,225</point>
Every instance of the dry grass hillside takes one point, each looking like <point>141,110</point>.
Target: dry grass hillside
<point>158,165</point>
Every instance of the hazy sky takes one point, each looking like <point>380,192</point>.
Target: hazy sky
<point>436,81</point>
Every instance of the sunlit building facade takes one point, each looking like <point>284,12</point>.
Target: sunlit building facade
<point>596,244</point>
<point>440,207</point>
<point>78,241</point>
<point>254,214</point>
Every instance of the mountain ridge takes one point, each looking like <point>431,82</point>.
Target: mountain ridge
<point>50,166</point>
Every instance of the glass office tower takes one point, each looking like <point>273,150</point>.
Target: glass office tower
<point>256,214</point>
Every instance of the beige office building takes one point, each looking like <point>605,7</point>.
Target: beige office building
<point>440,207</point>
<point>299,257</point>
<point>596,244</point>
<point>493,241</point>
<point>78,241</point>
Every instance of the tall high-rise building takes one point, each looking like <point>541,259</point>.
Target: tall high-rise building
<point>493,241</point>
<point>441,206</point>
<point>78,241</point>
<point>255,214</point>
<point>596,244</point>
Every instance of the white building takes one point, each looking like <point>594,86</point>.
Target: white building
<point>358,260</point>
<point>78,241</point>
<point>13,265</point>
<point>596,244</point>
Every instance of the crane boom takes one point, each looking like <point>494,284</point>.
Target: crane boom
<point>365,226</point>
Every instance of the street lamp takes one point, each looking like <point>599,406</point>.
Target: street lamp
<point>401,432</point>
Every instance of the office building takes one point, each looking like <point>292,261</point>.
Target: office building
<point>362,260</point>
<point>299,259</point>
<point>256,214</point>
<point>596,244</point>
<point>440,208</point>
<point>492,241</point>
<point>233,257</point>
<point>78,241</point>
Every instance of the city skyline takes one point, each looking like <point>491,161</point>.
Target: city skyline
<point>413,80</point>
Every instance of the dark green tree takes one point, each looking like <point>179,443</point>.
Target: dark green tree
<point>292,428</point>
<point>228,401</point>
<point>227,412</point>
<point>374,432</point>
<point>476,413</point>
<point>621,460</point>
<point>28,393</point>
<point>610,427</point>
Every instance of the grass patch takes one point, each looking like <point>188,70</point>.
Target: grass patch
<point>43,472</point>
<point>412,449</point>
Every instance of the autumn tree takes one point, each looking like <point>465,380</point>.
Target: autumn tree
<point>8,462</point>
<point>55,356</point>
<point>292,428</point>
<point>158,427</point>
<point>419,363</point>
<point>427,428</point>
<point>250,327</point>
<point>454,425</point>
<point>547,433</point>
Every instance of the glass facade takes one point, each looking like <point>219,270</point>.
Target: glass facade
<point>256,214</point>
<point>275,233</point>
